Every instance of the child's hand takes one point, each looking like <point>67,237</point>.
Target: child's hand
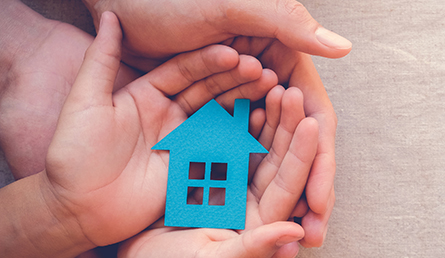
<point>273,193</point>
<point>278,33</point>
<point>100,167</point>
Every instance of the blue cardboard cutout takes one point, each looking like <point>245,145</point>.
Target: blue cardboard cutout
<point>210,139</point>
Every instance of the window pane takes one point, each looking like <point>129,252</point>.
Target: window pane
<point>217,196</point>
<point>218,171</point>
<point>195,195</point>
<point>197,170</point>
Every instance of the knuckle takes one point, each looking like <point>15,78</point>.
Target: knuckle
<point>294,7</point>
<point>185,105</point>
<point>185,72</point>
<point>213,86</point>
<point>297,9</point>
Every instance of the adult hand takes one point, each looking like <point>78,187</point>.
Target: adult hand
<point>275,188</point>
<point>276,32</point>
<point>100,168</point>
<point>45,58</point>
<point>297,70</point>
<point>155,30</point>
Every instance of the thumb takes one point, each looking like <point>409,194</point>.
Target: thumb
<point>290,23</point>
<point>278,238</point>
<point>95,80</point>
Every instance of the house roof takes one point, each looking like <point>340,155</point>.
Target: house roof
<point>213,129</point>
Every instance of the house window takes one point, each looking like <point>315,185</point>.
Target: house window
<point>218,171</point>
<point>197,170</point>
<point>207,183</point>
<point>217,196</point>
<point>194,196</point>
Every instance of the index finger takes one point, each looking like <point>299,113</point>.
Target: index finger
<point>182,71</point>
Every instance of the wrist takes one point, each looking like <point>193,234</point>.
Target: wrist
<point>34,224</point>
<point>65,227</point>
<point>19,28</point>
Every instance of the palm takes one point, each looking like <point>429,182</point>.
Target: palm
<point>129,181</point>
<point>272,194</point>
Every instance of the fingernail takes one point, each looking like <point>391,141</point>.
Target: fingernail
<point>331,39</point>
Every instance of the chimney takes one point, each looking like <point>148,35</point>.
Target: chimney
<point>241,113</point>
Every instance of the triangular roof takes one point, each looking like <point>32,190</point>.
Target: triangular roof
<point>212,128</point>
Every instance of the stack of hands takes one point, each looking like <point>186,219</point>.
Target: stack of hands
<point>78,119</point>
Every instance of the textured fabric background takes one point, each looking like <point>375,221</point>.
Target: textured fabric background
<point>389,96</point>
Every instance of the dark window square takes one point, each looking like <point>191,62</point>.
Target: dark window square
<point>217,196</point>
<point>218,171</point>
<point>194,196</point>
<point>197,170</point>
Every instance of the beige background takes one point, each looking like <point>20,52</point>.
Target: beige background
<point>389,96</point>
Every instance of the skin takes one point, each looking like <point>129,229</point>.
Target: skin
<point>19,107</point>
<point>39,60</point>
<point>157,30</point>
<point>126,125</point>
<point>99,169</point>
<point>279,33</point>
<point>275,188</point>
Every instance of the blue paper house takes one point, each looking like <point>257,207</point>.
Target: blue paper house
<point>209,153</point>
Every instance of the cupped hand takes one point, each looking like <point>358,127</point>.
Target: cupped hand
<point>278,33</point>
<point>155,30</point>
<point>273,192</point>
<point>296,69</point>
<point>100,166</point>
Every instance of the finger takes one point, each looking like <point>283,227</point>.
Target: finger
<point>254,90</point>
<point>194,97</point>
<point>321,179</point>
<point>272,119</point>
<point>291,113</point>
<point>288,250</point>
<point>263,241</point>
<point>289,22</point>
<point>300,209</point>
<point>182,71</point>
<point>248,45</point>
<point>316,225</point>
<point>273,113</point>
<point>256,122</point>
<point>284,191</point>
<point>318,106</point>
<point>168,242</point>
<point>95,81</point>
